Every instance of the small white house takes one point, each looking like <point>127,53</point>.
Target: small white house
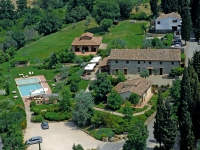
<point>168,22</point>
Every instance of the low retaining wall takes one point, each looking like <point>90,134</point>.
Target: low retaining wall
<point>150,118</point>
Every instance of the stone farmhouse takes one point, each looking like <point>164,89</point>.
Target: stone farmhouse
<point>168,23</point>
<point>132,61</point>
<point>86,43</point>
<point>140,86</point>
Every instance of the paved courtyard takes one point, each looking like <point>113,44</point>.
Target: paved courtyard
<point>60,136</point>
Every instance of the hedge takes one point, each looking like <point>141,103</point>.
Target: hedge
<point>54,116</point>
<point>38,118</point>
<point>103,132</point>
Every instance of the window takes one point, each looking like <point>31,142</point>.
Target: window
<point>116,61</point>
<point>138,62</point>
<point>149,62</point>
<point>138,69</point>
<point>174,21</point>
<point>172,63</point>
<point>158,22</point>
<point>160,62</point>
<point>127,62</point>
<point>144,62</point>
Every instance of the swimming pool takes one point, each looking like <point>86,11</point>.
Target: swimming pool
<point>27,89</point>
<point>29,86</point>
<point>27,81</point>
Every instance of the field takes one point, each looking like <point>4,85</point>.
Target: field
<point>56,42</point>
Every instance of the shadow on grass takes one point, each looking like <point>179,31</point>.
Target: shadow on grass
<point>96,30</point>
<point>140,34</point>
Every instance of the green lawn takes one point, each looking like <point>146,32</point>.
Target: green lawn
<point>56,42</point>
<point>83,84</point>
<point>135,110</point>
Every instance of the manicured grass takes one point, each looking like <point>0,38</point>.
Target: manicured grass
<point>58,41</point>
<point>83,84</point>
<point>135,110</point>
<point>44,106</point>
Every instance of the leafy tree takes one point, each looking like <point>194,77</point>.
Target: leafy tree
<point>83,111</point>
<point>49,24</point>
<point>76,14</point>
<point>144,73</point>
<point>176,71</point>
<point>65,100</point>
<point>48,4</point>
<point>146,43</point>
<point>120,77</point>
<point>154,7</point>
<point>7,10</point>
<point>118,43</point>
<point>143,28</point>
<point>77,147</point>
<point>78,60</point>
<point>106,23</point>
<point>159,119</point>
<point>74,87</point>
<point>6,23</point>
<point>168,126</point>
<point>31,19</point>
<point>125,8</point>
<point>53,60</point>
<point>19,38</point>
<point>137,136</point>
<point>186,24</point>
<point>128,111</point>
<point>101,86</point>
<point>134,98</point>
<point>88,4</point>
<point>114,100</point>
<point>105,9</point>
<point>21,5</point>
<point>86,23</point>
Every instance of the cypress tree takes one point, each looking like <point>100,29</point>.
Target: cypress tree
<point>169,6</point>
<point>154,7</point>
<point>187,141</point>
<point>169,126</point>
<point>186,24</point>
<point>196,62</point>
<point>185,93</point>
<point>197,22</point>
<point>159,119</point>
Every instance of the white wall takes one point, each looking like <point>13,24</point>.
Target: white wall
<point>166,23</point>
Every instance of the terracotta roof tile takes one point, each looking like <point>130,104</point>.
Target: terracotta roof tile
<point>87,34</point>
<point>104,62</point>
<point>173,15</point>
<point>84,41</point>
<point>146,54</point>
<point>138,86</point>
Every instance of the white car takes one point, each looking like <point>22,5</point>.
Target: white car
<point>34,140</point>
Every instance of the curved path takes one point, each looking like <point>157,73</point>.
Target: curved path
<point>119,114</point>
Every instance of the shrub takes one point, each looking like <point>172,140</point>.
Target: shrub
<point>176,71</point>
<point>33,103</point>
<point>38,118</point>
<point>74,78</point>
<point>53,116</point>
<point>103,132</point>
<point>36,111</point>
<point>23,124</point>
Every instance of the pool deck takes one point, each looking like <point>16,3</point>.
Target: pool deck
<point>42,82</point>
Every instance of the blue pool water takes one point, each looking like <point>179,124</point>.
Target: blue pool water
<point>25,89</point>
<point>27,81</point>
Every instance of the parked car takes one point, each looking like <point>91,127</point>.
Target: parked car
<point>176,46</point>
<point>198,42</point>
<point>166,76</point>
<point>45,125</point>
<point>176,42</point>
<point>34,140</point>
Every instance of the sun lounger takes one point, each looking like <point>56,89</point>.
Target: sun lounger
<point>14,92</point>
<point>29,73</point>
<point>15,97</point>
<point>26,76</point>
<point>32,73</point>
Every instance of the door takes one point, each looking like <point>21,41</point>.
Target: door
<point>161,71</point>
<point>174,28</point>
<point>125,71</point>
<point>150,71</point>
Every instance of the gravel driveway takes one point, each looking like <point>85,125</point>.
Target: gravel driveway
<point>60,136</point>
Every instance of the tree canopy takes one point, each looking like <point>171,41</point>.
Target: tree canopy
<point>144,73</point>
<point>114,100</point>
<point>134,98</point>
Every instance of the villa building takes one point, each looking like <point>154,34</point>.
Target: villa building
<point>86,43</point>
<point>140,86</point>
<point>132,61</point>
